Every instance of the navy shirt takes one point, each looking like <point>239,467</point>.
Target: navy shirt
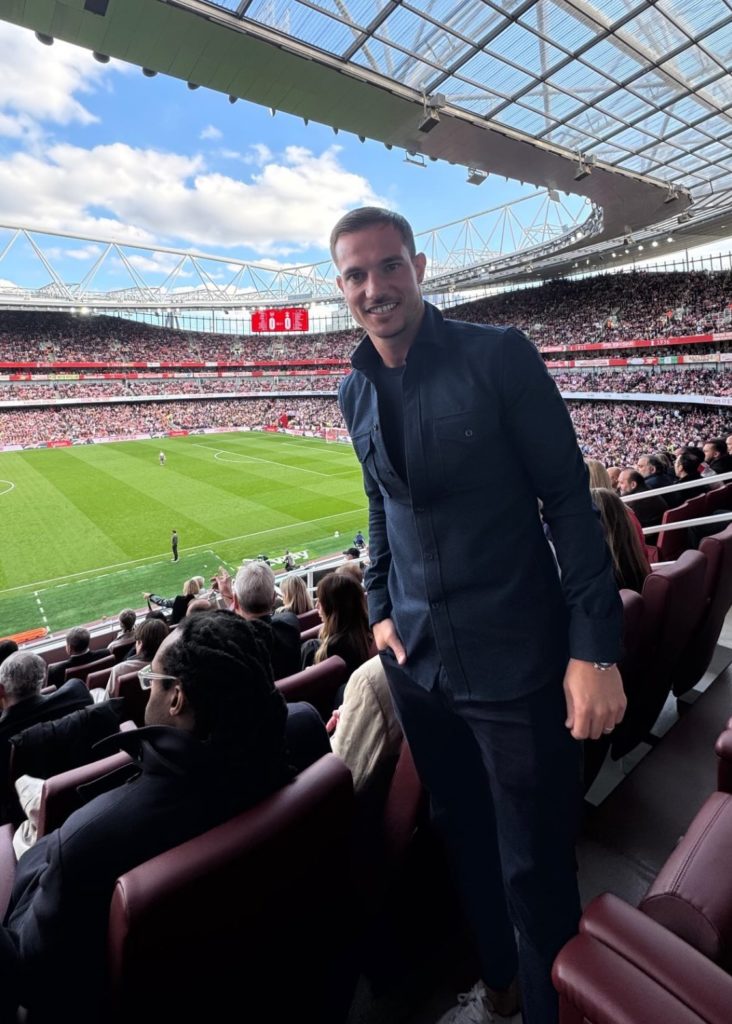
<point>459,559</point>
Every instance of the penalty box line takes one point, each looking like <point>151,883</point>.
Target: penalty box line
<point>186,551</point>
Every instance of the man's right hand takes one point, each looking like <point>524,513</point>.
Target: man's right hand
<point>385,636</point>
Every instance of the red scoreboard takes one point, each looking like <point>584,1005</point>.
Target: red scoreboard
<point>278,320</point>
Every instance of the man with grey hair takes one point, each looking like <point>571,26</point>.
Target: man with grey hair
<point>252,596</point>
<point>22,677</point>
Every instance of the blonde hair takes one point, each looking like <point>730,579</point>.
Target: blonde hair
<point>191,588</point>
<point>599,476</point>
<point>295,595</point>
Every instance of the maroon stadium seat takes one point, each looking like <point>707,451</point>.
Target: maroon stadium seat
<point>98,679</point>
<point>673,597</point>
<point>718,499</point>
<point>235,913</point>
<point>317,685</point>
<point>60,797</point>
<point>82,671</point>
<point>309,619</point>
<point>128,686</point>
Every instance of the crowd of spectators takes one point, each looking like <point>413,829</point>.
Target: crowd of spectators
<point>22,391</point>
<point>61,337</point>
<point>666,382</point>
<point>611,307</point>
<point>83,422</point>
<point>608,431</point>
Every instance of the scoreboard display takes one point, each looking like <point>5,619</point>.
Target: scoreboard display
<point>276,321</point>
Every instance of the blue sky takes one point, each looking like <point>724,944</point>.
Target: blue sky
<point>102,150</point>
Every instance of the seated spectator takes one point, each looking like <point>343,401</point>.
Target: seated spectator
<point>650,509</point>
<point>199,604</point>
<point>216,746</point>
<point>599,476</point>
<point>125,639</point>
<point>7,647</point>
<point>148,637</point>
<point>351,568</point>
<point>688,469</point>
<point>613,473</point>
<point>630,562</point>
<point>22,676</point>
<point>77,647</point>
<point>253,597</point>
<point>367,732</point>
<point>178,604</point>
<point>716,455</point>
<point>342,606</point>
<point>352,553</point>
<point>295,596</point>
<point>653,469</point>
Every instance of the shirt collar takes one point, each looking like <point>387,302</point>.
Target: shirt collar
<point>366,359</point>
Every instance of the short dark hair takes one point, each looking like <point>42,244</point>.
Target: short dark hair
<point>637,478</point>
<point>223,664</point>
<point>370,216</point>
<point>7,647</point>
<point>150,634</point>
<point>719,444</point>
<point>127,619</point>
<point>78,639</point>
<point>689,463</point>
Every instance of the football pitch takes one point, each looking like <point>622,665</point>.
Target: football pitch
<point>85,530</point>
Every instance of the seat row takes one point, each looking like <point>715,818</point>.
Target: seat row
<point>670,633</point>
<point>669,959</point>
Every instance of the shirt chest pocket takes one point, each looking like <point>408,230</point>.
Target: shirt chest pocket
<point>367,455</point>
<point>461,453</point>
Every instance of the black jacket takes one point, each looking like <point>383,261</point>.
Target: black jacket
<point>57,671</point>
<point>458,555</point>
<point>53,944</point>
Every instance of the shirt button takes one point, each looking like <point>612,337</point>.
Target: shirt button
<point>435,604</point>
<point>429,557</point>
<point>419,510</point>
<point>468,432</point>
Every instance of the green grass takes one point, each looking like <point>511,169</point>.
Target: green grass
<point>85,530</point>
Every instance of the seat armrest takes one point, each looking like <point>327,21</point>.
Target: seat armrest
<point>676,967</point>
<point>597,985</point>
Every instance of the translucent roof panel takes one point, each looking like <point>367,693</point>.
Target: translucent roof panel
<point>639,84</point>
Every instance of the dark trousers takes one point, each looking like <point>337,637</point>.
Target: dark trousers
<point>504,783</point>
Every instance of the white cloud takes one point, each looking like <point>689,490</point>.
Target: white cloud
<point>40,83</point>
<point>211,132</point>
<point>146,196</point>
<point>258,154</point>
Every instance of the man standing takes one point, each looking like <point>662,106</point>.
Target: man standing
<point>174,545</point>
<point>476,633</point>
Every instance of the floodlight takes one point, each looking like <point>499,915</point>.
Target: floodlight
<point>430,120</point>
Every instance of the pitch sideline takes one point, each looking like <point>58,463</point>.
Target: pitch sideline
<point>191,550</point>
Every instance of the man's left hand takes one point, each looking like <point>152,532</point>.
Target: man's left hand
<point>595,699</point>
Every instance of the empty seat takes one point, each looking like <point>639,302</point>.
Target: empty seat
<point>695,659</point>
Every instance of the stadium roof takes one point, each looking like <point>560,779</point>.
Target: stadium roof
<point>627,102</point>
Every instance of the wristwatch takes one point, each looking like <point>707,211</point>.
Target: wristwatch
<point>603,666</point>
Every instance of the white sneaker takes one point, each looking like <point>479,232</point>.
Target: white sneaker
<point>472,1008</point>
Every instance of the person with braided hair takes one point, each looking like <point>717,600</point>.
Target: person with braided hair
<point>213,744</point>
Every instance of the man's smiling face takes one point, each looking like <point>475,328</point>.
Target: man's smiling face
<point>380,281</point>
